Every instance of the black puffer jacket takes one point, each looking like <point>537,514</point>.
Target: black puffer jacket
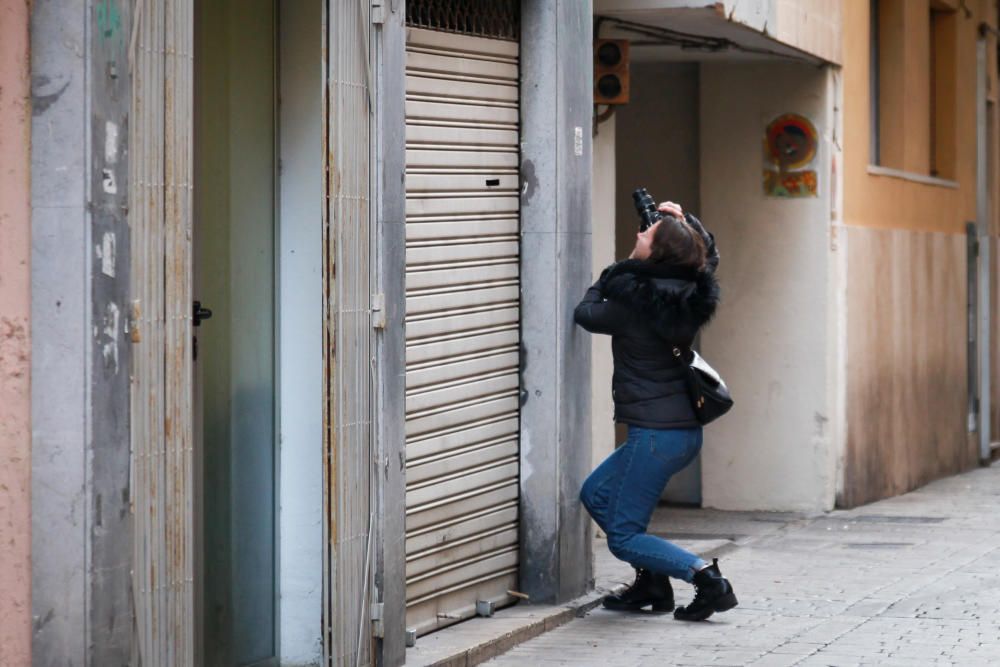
<point>648,309</point>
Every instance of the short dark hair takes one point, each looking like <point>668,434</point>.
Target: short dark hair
<point>675,242</point>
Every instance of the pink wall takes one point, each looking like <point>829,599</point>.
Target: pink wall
<point>15,341</point>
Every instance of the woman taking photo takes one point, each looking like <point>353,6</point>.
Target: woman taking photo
<point>650,304</point>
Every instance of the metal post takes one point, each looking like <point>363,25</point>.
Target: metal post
<point>972,322</point>
<point>390,138</point>
<point>982,225</point>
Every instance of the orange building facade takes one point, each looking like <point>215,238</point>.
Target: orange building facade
<point>919,84</point>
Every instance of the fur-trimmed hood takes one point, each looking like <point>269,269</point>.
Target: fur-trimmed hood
<point>675,302</point>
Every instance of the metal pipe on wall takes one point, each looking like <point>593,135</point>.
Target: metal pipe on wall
<point>390,231</point>
<point>983,228</point>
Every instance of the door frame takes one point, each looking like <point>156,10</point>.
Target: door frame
<point>299,188</point>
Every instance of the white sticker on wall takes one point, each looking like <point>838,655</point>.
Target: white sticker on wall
<point>110,143</point>
<point>108,181</point>
<point>578,141</point>
<point>106,252</point>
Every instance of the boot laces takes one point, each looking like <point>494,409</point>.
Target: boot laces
<point>706,590</point>
<point>702,593</point>
<point>640,577</point>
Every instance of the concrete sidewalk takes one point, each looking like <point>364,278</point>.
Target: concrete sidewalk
<point>705,532</point>
<point>912,580</point>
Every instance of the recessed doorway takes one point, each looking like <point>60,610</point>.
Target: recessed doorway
<point>235,352</point>
<point>258,371</point>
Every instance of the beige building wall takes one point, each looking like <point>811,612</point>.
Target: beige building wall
<point>658,148</point>
<point>771,336</point>
<point>602,196</point>
<point>904,239</point>
<point>775,336</point>
<point>843,326</point>
<point>15,345</point>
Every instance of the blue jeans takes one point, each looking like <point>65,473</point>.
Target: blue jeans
<point>623,491</point>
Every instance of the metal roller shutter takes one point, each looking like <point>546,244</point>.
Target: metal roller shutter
<point>462,324</point>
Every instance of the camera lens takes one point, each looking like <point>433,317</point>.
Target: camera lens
<point>646,207</point>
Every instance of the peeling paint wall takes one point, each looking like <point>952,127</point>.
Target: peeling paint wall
<point>15,353</point>
<point>109,563</point>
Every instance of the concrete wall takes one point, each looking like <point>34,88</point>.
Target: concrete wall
<point>80,365</point>
<point>556,109</point>
<point>60,321</point>
<point>770,337</point>
<point>15,352</point>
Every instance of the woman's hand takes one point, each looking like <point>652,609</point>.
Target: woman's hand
<point>670,208</point>
<point>644,239</point>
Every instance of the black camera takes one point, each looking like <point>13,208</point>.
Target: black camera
<point>645,205</point>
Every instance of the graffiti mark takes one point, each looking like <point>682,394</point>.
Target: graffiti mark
<point>110,348</point>
<point>40,103</point>
<point>41,622</point>
<point>529,181</point>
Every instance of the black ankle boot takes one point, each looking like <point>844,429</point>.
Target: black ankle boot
<point>713,593</point>
<point>647,589</point>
